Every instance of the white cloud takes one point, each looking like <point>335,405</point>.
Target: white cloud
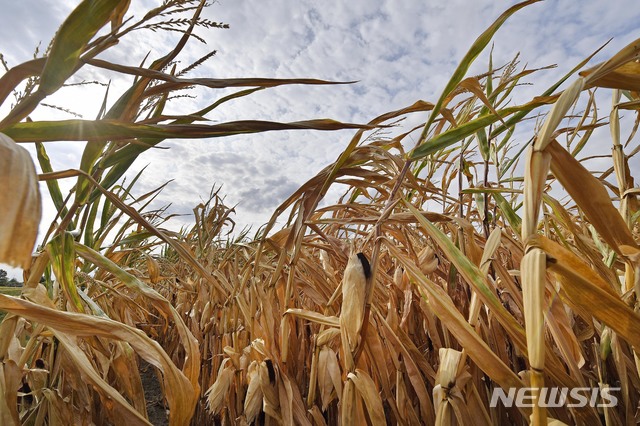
<point>400,51</point>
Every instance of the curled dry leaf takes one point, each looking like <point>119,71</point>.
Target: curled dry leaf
<point>326,336</point>
<point>535,178</point>
<point>367,389</point>
<point>428,260</point>
<point>218,391</point>
<point>326,263</point>
<point>348,401</point>
<point>20,207</point>
<point>557,114</point>
<point>328,376</point>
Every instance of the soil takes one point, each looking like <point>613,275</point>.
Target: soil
<point>156,408</point>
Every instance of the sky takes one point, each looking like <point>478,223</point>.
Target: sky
<point>397,51</point>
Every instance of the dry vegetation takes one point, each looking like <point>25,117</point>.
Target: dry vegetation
<point>479,277</point>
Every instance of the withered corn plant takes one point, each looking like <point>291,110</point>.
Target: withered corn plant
<point>481,278</point>
<point>71,344</point>
<point>442,274</point>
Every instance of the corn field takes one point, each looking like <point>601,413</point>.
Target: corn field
<point>451,266</point>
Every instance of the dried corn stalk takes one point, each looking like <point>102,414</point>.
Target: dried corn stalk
<point>533,283</point>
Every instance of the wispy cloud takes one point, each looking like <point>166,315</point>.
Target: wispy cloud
<point>398,51</point>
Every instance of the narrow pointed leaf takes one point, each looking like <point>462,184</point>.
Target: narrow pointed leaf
<point>476,48</point>
<point>82,130</point>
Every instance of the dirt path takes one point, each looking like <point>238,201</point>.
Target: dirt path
<point>158,414</point>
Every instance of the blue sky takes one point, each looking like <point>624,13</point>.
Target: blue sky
<point>399,51</point>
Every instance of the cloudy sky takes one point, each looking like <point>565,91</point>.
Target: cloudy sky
<point>398,51</point>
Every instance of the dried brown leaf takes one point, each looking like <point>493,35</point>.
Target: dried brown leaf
<point>591,196</point>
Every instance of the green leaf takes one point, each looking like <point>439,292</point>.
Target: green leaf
<point>87,130</point>
<point>456,134</point>
<point>69,44</point>
<point>476,48</point>
<point>131,151</point>
<point>89,237</point>
<point>505,167</point>
<point>71,40</point>
<point>52,184</point>
<point>12,78</point>
<point>114,174</point>
<point>90,155</point>
<point>505,207</point>
<point>483,144</point>
<point>63,258</point>
<point>489,85</point>
<point>520,115</point>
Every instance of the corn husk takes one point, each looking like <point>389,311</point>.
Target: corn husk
<point>427,260</point>
<point>368,391</point>
<point>329,380</point>
<point>20,207</point>
<point>253,397</point>
<point>217,393</point>
<point>354,285</point>
<point>445,382</point>
<point>268,384</point>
